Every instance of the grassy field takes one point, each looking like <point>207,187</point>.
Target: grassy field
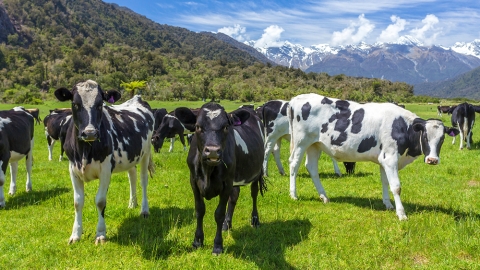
<point>353,231</point>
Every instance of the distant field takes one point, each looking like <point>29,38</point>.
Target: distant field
<point>353,231</point>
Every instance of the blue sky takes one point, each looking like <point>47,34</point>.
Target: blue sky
<point>334,22</point>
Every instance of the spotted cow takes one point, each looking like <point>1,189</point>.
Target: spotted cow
<point>169,127</point>
<point>382,133</point>
<point>56,124</point>
<point>463,117</point>
<point>35,112</point>
<point>102,140</point>
<point>274,116</point>
<point>16,143</point>
<point>225,153</point>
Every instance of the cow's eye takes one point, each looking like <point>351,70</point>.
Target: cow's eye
<point>225,129</point>
<point>75,106</point>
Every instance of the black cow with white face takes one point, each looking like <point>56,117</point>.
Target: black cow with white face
<point>16,143</point>
<point>274,116</point>
<point>382,133</point>
<point>225,153</point>
<point>463,118</point>
<point>56,124</point>
<point>102,140</point>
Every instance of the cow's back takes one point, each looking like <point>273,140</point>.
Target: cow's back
<point>18,128</point>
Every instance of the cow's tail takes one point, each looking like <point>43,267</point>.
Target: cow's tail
<point>151,166</point>
<point>262,183</point>
<point>290,126</point>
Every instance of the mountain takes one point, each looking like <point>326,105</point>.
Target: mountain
<point>406,60</point>
<point>466,85</point>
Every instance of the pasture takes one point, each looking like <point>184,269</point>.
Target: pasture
<point>353,231</point>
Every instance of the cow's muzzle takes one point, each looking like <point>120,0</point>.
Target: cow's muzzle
<point>431,160</point>
<point>212,155</point>
<point>89,135</point>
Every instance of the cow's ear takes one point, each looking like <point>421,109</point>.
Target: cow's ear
<point>418,127</point>
<point>451,131</point>
<point>63,94</point>
<point>239,117</point>
<point>111,96</point>
<point>185,115</point>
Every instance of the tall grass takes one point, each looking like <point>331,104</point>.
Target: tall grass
<point>353,231</point>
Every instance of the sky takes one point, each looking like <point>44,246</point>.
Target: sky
<point>315,22</point>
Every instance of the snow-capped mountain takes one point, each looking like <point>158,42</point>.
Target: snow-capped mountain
<point>407,59</point>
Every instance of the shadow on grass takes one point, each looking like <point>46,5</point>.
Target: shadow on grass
<point>34,197</point>
<point>266,245</point>
<point>332,175</point>
<point>410,208</point>
<point>156,234</point>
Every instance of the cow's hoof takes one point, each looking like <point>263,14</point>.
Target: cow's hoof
<point>73,239</point>
<point>293,196</point>
<point>255,222</point>
<point>2,205</point>
<point>197,244</point>
<point>132,204</point>
<point>100,240</point>
<point>388,205</point>
<point>324,198</point>
<point>145,214</point>
<point>12,191</point>
<point>217,251</point>
<point>402,217</point>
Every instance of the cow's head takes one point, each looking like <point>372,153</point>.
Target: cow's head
<point>431,139</point>
<point>87,107</point>
<point>162,132</point>
<point>212,127</point>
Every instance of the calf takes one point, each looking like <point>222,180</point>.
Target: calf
<point>348,131</point>
<point>56,124</point>
<point>225,153</point>
<point>102,140</point>
<point>16,143</point>
<point>36,114</point>
<point>274,116</point>
<point>158,114</point>
<point>169,127</point>
<point>463,117</point>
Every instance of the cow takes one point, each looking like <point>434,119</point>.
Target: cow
<point>168,128</point>
<point>36,114</point>
<point>158,114</point>
<point>102,140</point>
<point>56,124</point>
<point>274,116</point>
<point>445,109</point>
<point>16,143</point>
<point>463,118</point>
<point>382,133</point>
<point>225,153</point>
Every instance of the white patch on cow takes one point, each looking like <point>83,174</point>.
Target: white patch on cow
<point>14,156</point>
<point>240,183</point>
<point>4,121</point>
<point>240,142</point>
<point>88,90</point>
<point>135,124</point>
<point>435,130</point>
<point>18,109</point>
<point>212,114</point>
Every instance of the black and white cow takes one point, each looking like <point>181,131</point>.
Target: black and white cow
<point>274,116</point>
<point>102,140</point>
<point>56,124</point>
<point>35,112</point>
<point>463,118</point>
<point>445,109</point>
<point>382,133</point>
<point>158,114</point>
<point>168,128</point>
<point>16,143</point>
<point>225,153</point>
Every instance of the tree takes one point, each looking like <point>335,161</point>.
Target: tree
<point>132,87</point>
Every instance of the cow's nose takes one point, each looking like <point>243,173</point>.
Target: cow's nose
<point>89,135</point>
<point>432,161</point>
<point>212,152</point>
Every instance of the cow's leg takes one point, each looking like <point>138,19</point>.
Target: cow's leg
<point>182,140</point>
<point>2,183</point>
<point>78,202</point>
<point>268,149</point>
<point>28,164</point>
<point>219,219</point>
<point>311,162</point>
<point>199,214</point>
<point>296,155</point>
<point>13,177</point>
<point>62,142</point>
<point>391,172</point>
<point>385,191</point>
<point>255,186</point>
<point>145,210</point>
<point>276,155</point>
<point>101,203</point>
<point>335,167</point>
<point>232,202</point>
<point>132,178</point>
<point>172,140</point>
<point>469,136</point>
<point>50,144</point>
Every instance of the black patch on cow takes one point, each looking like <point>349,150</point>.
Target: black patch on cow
<point>326,100</point>
<point>367,144</point>
<point>342,123</point>
<point>298,118</point>
<point>342,104</point>
<point>306,111</point>
<point>414,138</point>
<point>357,120</point>
<point>400,134</point>
<point>340,139</point>
<point>283,111</point>
<point>381,146</point>
<point>324,128</point>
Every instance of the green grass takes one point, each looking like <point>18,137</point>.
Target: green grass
<point>353,231</point>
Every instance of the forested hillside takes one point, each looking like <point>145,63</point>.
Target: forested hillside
<point>59,42</point>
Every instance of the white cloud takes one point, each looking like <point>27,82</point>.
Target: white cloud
<point>354,33</point>
<point>392,32</point>
<point>270,37</point>
<point>237,32</point>
<point>428,32</point>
